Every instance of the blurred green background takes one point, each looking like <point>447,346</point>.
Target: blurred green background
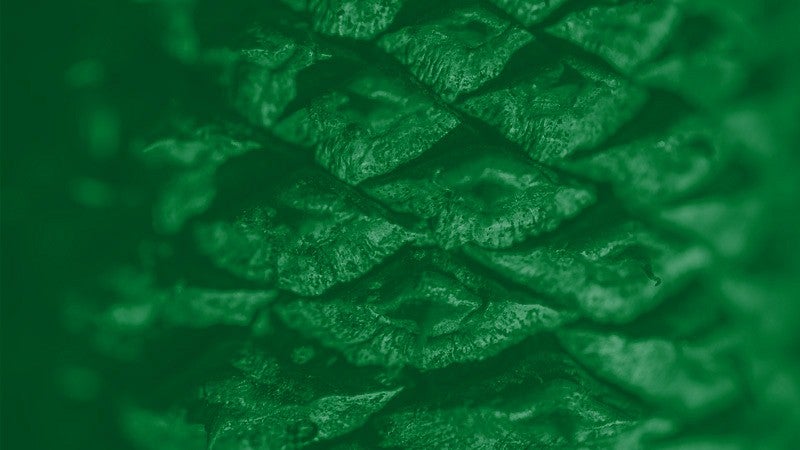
<point>78,79</point>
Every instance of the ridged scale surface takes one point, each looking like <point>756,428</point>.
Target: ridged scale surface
<point>448,222</point>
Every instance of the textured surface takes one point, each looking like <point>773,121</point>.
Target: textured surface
<point>459,224</point>
<point>459,52</point>
<point>567,107</point>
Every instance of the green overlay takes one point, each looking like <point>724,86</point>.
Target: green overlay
<point>402,224</point>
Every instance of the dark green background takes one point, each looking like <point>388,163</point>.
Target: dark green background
<point>50,242</point>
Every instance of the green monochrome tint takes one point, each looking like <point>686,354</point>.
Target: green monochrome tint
<point>466,224</point>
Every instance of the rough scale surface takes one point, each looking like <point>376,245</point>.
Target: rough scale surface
<point>496,224</point>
